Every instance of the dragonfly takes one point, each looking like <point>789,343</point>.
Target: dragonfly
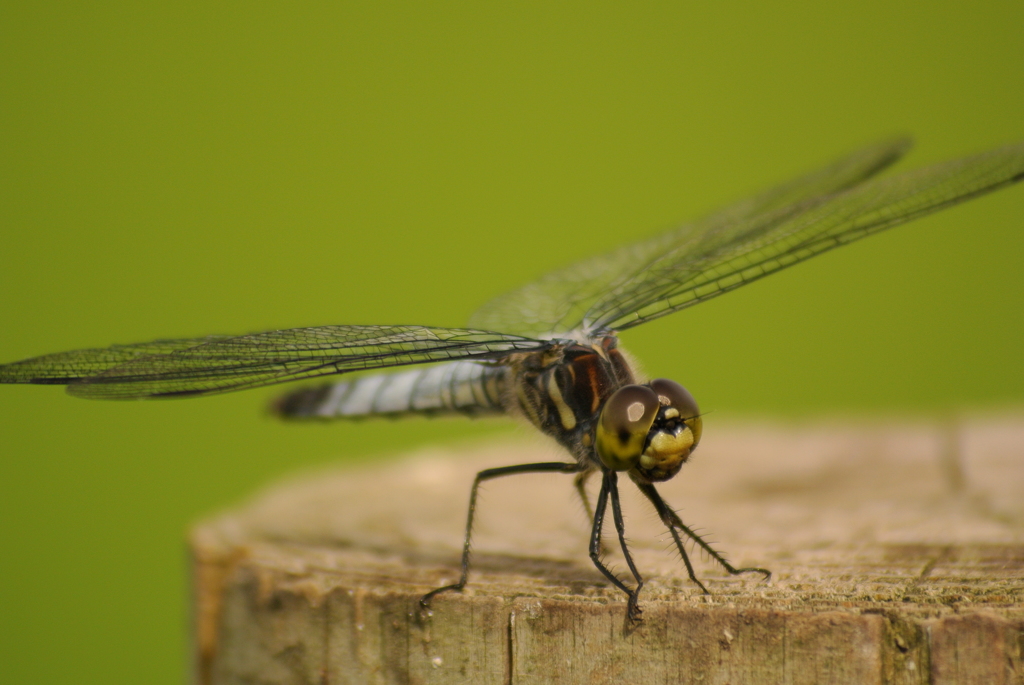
<point>548,352</point>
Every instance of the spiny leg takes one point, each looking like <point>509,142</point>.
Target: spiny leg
<point>675,524</point>
<point>595,540</point>
<point>487,474</point>
<point>620,527</point>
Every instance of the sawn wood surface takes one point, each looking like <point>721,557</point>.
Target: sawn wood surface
<point>897,551</point>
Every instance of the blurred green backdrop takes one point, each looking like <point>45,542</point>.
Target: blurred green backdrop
<point>218,168</point>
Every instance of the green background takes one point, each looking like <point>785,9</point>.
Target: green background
<point>219,168</point>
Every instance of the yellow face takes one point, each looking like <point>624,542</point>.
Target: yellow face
<point>651,429</point>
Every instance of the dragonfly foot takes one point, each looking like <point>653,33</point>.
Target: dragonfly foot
<point>427,598</point>
<point>633,610</point>
<point>752,569</point>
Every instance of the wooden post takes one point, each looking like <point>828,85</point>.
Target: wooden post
<point>897,551</point>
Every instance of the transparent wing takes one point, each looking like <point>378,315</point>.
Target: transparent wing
<point>558,302</point>
<point>701,265</point>
<point>200,366</point>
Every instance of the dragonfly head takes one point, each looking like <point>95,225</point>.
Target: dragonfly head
<point>651,428</point>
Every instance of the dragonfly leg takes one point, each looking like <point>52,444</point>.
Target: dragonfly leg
<point>488,474</point>
<point>608,486</point>
<point>620,528</point>
<point>675,525</point>
<point>580,483</point>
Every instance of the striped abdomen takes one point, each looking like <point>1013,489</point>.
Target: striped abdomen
<point>462,387</point>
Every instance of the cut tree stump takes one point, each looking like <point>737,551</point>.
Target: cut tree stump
<point>897,552</point>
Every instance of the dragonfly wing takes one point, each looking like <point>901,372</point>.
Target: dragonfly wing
<point>63,368</point>
<point>559,301</point>
<point>702,265</point>
<point>201,366</point>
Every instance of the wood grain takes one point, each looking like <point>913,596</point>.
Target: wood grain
<point>897,552</point>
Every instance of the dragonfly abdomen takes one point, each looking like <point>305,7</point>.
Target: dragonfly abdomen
<point>460,387</point>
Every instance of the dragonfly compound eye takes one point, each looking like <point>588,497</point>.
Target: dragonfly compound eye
<point>671,394</point>
<point>673,434</point>
<point>626,419</point>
